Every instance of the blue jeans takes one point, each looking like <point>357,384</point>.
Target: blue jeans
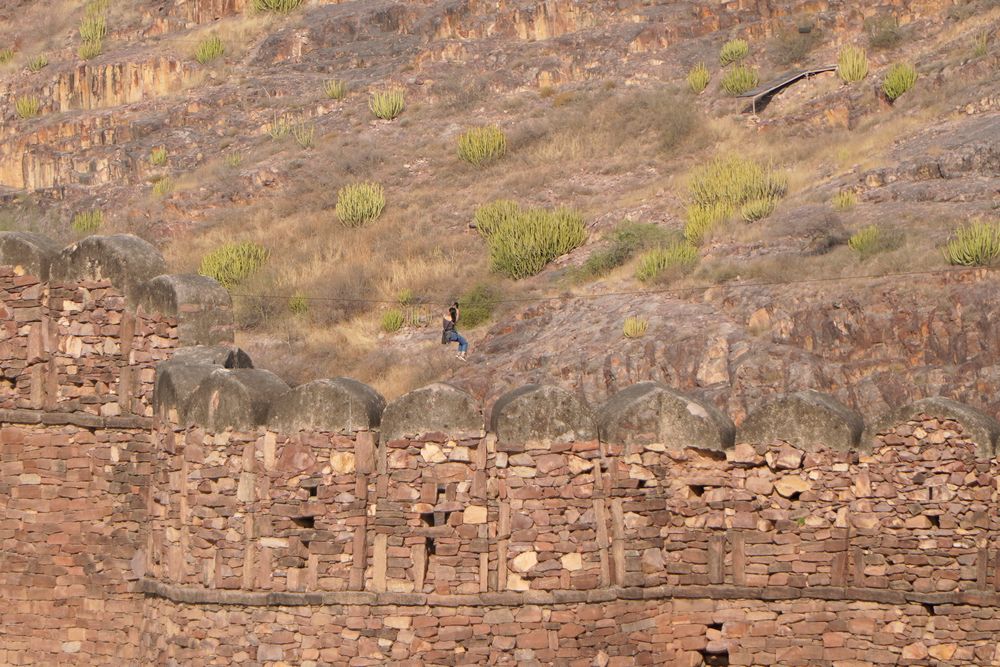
<point>454,336</point>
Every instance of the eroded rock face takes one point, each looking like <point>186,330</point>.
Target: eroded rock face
<point>737,347</point>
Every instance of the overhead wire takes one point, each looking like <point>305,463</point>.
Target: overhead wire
<point>628,293</point>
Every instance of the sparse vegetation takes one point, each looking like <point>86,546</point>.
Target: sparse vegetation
<point>883,32</point>
<point>90,50</point>
<point>234,159</point>
<point>275,6</point>
<point>852,64</point>
<point>304,134</point>
<point>845,200</point>
<point>163,186</point>
<point>392,320</point>
<point>6,55</point>
<point>359,204</point>
<point>158,156</point>
<point>975,244</point>
<point>209,49</point>
<point>478,305</point>
<point>27,106</point>
<point>481,145</point>
<point>791,46</point>
<point>758,209</point>
<point>898,80</point>
<point>868,241</point>
<point>38,63</point>
<point>490,216</point>
<point>233,263</point>
<point>87,222</point>
<point>523,244</point>
<point>627,239</point>
<point>698,78</point>
<point>387,104</point>
<point>279,126</point>
<point>298,305</point>
<point>726,186</point>
<point>635,327</point>
<point>980,44</point>
<point>335,89</point>
<point>668,262</point>
<point>701,219</point>
<point>738,80</point>
<point>93,28</point>
<point>733,51</point>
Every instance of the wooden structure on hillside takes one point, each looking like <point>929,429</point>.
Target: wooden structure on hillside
<point>774,85</point>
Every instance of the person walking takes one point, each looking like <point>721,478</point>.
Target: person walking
<point>449,334</point>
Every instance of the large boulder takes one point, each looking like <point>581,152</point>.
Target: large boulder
<point>806,419</point>
<point>203,307</point>
<point>541,414</point>
<point>651,413</point>
<point>437,408</point>
<point>125,260</point>
<point>28,253</point>
<point>238,398</point>
<point>977,426</point>
<point>340,405</point>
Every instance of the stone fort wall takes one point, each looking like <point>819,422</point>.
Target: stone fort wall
<point>162,502</point>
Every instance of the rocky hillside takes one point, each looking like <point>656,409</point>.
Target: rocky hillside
<point>252,145</point>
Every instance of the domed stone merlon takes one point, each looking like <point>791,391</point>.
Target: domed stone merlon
<point>340,405</point>
<point>203,307</point>
<point>28,253</point>
<point>238,398</point>
<point>806,419</point>
<point>125,260</point>
<point>176,381</point>
<point>226,356</point>
<point>541,415</point>
<point>650,413</point>
<point>977,426</point>
<point>436,408</point>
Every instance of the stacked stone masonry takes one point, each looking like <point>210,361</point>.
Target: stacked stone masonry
<point>318,526</point>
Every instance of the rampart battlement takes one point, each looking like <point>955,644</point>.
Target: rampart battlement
<point>164,502</point>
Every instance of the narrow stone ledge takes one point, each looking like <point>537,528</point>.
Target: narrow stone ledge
<point>650,413</point>
<point>207,596</point>
<point>28,253</point>
<point>45,418</point>
<point>805,419</point>
<point>541,414</point>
